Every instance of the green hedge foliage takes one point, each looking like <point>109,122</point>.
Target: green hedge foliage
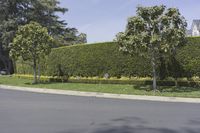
<point>189,57</point>
<point>96,60</point>
<point>25,67</point>
<point>90,60</point>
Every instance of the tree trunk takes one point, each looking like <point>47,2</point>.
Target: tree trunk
<point>14,67</point>
<point>154,72</point>
<point>2,58</point>
<point>8,64</point>
<point>9,67</point>
<point>176,82</point>
<point>34,70</point>
<point>38,71</point>
<point>5,63</point>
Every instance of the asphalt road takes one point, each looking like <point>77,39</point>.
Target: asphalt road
<point>26,112</point>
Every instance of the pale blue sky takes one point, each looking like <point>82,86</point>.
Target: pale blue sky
<point>101,20</point>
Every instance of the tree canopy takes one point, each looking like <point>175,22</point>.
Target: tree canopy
<point>154,30</point>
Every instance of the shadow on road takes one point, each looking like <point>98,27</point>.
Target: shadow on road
<point>125,125</point>
<point>133,125</point>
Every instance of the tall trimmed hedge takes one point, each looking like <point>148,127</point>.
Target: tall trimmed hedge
<point>189,57</point>
<point>96,60</point>
<point>90,60</point>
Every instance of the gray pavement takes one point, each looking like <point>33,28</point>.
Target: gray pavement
<point>28,112</point>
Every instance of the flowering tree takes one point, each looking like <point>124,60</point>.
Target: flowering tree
<point>31,42</point>
<point>157,31</point>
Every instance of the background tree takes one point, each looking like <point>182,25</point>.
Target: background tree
<point>32,42</point>
<point>10,14</point>
<point>155,32</point>
<point>14,13</point>
<point>71,36</point>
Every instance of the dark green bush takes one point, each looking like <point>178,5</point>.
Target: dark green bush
<point>189,83</point>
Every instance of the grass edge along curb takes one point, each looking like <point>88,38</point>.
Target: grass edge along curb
<point>113,81</point>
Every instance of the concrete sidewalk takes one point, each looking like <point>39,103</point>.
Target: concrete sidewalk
<point>102,95</point>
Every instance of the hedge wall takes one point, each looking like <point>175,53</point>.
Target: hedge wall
<point>189,57</point>
<point>25,67</point>
<point>98,59</point>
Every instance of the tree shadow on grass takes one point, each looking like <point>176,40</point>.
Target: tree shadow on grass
<point>143,87</point>
<point>167,89</point>
<point>43,83</point>
<point>179,89</point>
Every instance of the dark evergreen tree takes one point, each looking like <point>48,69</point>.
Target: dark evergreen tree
<point>14,13</point>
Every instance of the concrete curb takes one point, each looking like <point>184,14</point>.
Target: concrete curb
<point>102,95</point>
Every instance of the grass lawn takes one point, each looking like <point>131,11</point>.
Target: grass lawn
<point>106,88</point>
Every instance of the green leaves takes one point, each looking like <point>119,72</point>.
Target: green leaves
<point>155,31</point>
<point>150,13</point>
<point>95,60</point>
<point>160,25</point>
<point>189,57</point>
<point>31,41</point>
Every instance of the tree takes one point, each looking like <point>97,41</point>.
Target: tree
<point>71,36</point>
<point>45,12</point>
<point>155,31</point>
<point>82,38</point>
<point>21,12</point>
<point>31,42</point>
<point>10,12</point>
<point>14,13</point>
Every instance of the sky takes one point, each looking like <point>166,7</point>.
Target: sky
<point>101,20</point>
